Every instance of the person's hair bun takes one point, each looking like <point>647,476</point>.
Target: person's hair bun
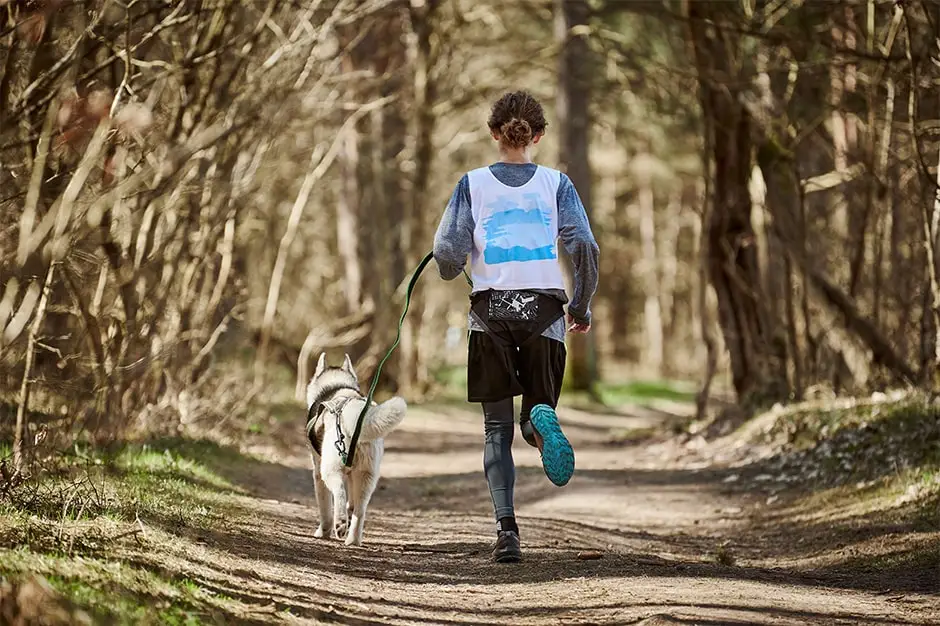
<point>516,133</point>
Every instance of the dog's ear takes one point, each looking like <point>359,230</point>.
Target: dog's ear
<point>321,365</point>
<point>347,365</point>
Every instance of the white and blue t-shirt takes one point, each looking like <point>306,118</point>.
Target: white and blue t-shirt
<point>516,232</point>
<point>510,223</point>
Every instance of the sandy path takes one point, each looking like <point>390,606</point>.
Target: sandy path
<point>657,522</point>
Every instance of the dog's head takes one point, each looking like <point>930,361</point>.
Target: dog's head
<point>327,378</point>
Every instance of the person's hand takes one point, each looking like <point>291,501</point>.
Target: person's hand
<point>575,327</point>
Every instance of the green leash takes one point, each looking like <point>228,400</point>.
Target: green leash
<point>350,454</point>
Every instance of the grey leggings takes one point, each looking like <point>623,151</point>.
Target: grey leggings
<point>498,426</point>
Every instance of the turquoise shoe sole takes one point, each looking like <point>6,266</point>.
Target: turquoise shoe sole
<point>557,453</point>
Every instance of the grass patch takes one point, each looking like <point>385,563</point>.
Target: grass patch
<point>170,484</point>
<point>73,522</point>
<point>451,377</point>
<point>119,593</point>
<point>451,386</point>
<point>862,457</point>
<point>645,391</point>
<point>869,440</point>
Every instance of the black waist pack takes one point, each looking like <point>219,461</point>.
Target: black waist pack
<point>535,310</point>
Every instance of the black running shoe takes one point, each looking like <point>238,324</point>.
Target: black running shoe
<point>507,548</point>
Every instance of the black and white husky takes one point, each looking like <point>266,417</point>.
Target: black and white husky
<point>333,406</point>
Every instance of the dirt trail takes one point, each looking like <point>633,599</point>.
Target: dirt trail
<point>657,520</point>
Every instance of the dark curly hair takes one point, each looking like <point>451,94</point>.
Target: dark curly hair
<point>518,117</point>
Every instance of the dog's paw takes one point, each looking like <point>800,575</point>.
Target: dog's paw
<point>353,540</point>
<point>319,533</point>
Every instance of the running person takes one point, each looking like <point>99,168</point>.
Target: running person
<point>508,218</point>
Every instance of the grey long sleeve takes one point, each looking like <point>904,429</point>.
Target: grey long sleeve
<point>575,233</point>
<point>453,241</point>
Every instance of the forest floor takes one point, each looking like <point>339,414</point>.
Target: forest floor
<point>654,528</point>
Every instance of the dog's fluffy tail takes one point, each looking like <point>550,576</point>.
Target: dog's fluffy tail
<point>383,418</point>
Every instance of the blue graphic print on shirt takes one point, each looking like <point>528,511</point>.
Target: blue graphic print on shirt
<point>529,228</point>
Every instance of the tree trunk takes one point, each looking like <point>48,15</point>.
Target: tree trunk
<point>414,373</point>
<point>702,300</point>
<point>927,107</point>
<point>732,264</point>
<point>388,228</point>
<point>839,210</point>
<point>783,200</point>
<point>347,221</point>
<point>19,436</point>
<point>669,245</point>
<point>574,95</point>
<point>619,282</point>
<point>394,184</point>
<point>652,312</point>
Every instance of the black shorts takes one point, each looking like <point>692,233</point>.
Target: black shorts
<point>514,363</point>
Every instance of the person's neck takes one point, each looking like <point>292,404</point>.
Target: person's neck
<point>510,155</point>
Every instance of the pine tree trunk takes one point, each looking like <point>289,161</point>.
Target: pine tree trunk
<point>574,94</point>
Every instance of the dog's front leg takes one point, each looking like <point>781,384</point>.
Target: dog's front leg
<point>341,519</point>
<point>362,486</point>
<point>324,501</point>
<point>337,485</point>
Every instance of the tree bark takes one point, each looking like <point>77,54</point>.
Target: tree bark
<point>395,185</point>
<point>619,283</point>
<point>732,264</point>
<point>385,187</point>
<point>702,301</point>
<point>574,95</point>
